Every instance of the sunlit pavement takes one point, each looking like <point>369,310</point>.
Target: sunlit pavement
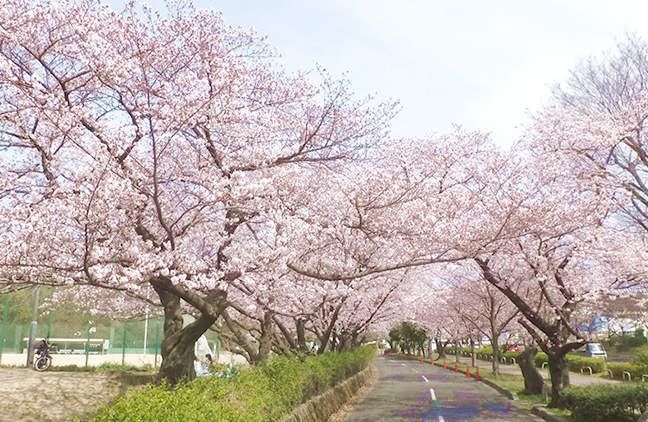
<point>411,391</point>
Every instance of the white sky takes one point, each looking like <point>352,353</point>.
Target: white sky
<point>478,64</point>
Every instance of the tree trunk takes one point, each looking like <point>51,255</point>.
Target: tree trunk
<point>533,381</point>
<point>326,337</point>
<point>559,376</point>
<point>496,358</point>
<point>265,342</point>
<point>456,352</point>
<point>177,349</point>
<point>300,326</point>
<point>473,354</point>
<point>441,349</point>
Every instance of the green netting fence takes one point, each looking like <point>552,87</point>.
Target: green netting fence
<point>77,333</point>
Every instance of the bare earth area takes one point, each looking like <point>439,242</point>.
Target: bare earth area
<point>30,396</point>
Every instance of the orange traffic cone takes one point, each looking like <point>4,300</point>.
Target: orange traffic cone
<point>444,364</point>
<point>421,358</point>
<point>468,372</point>
<point>431,361</point>
<point>477,377</point>
<point>456,367</point>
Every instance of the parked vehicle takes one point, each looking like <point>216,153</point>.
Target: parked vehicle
<point>594,350</point>
<point>514,348</point>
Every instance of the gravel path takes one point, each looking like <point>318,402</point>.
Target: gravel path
<point>30,396</point>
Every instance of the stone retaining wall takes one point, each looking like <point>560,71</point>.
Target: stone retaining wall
<point>320,408</point>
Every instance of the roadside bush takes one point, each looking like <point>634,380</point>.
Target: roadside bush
<point>510,354</point>
<point>618,368</point>
<point>488,351</point>
<point>641,357</point>
<point>604,403</point>
<point>262,393</point>
<point>576,363</point>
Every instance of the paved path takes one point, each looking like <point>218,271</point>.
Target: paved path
<point>574,378</point>
<point>410,391</point>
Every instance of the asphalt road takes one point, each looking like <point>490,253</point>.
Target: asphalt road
<point>412,391</point>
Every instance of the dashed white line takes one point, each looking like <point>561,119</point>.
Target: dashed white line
<point>426,380</point>
<point>403,364</point>
<point>434,399</point>
<point>415,370</point>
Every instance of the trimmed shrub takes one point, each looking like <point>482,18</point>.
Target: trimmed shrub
<point>262,393</point>
<point>488,351</point>
<point>576,363</point>
<point>605,403</point>
<point>618,368</point>
<point>540,358</point>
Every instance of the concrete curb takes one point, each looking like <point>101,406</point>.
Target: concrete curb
<point>510,394</point>
<point>542,412</point>
<point>320,408</point>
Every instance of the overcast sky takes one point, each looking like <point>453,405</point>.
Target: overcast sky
<point>478,64</point>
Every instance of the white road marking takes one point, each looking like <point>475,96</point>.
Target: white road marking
<point>426,380</point>
<point>403,364</point>
<point>441,419</point>
<point>432,394</point>
<point>415,371</point>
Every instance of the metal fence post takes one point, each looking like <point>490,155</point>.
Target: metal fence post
<point>124,345</point>
<point>157,341</point>
<point>5,317</point>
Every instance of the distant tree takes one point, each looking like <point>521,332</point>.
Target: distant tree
<point>408,337</point>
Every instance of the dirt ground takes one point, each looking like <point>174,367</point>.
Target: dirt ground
<point>30,396</point>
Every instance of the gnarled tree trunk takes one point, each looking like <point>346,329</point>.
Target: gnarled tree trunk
<point>559,376</point>
<point>441,348</point>
<point>533,381</point>
<point>178,345</point>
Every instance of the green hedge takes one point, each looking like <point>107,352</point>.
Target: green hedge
<point>574,362</point>
<point>539,359</point>
<point>262,393</point>
<point>488,351</point>
<point>618,368</point>
<point>605,403</point>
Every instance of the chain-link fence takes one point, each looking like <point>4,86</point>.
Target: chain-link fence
<point>77,334</point>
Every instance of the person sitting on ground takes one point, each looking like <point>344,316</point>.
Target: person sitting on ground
<point>202,366</point>
<point>207,361</point>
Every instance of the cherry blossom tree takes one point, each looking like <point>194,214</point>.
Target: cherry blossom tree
<point>146,152</point>
<point>481,307</point>
<point>554,252</point>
